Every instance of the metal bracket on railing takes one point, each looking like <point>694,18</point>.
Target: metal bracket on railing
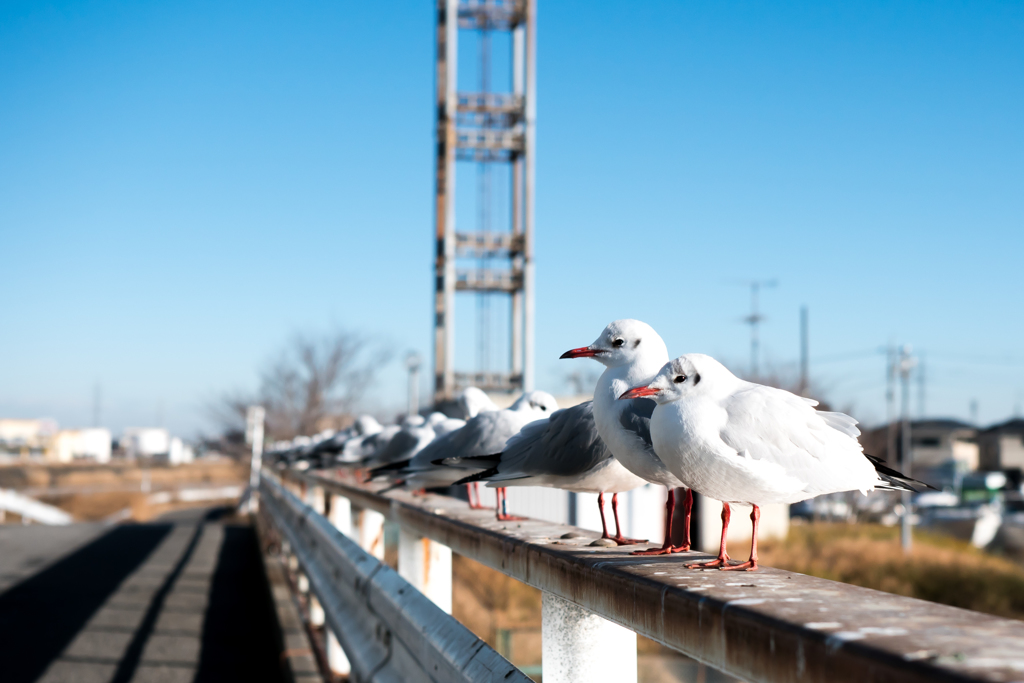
<point>388,629</point>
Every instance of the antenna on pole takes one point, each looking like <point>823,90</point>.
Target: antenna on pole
<point>754,320</point>
<point>906,364</point>
<point>412,361</point>
<point>804,352</point>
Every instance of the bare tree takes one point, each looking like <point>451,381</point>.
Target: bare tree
<point>312,384</point>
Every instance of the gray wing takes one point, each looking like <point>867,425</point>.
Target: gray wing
<point>435,450</point>
<point>485,434</point>
<point>566,444</point>
<point>636,418</point>
<point>481,435</point>
<point>400,444</point>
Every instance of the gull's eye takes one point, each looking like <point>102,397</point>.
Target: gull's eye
<point>679,379</point>
<point>618,342</point>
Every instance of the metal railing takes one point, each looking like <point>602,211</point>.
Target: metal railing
<point>388,630</point>
<point>770,625</point>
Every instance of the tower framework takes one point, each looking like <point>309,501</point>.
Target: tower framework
<point>489,128</point>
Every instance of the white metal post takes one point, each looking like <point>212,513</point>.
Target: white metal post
<point>315,498</point>
<point>336,657</point>
<point>369,531</point>
<point>578,645</point>
<point>317,617</point>
<point>427,565</point>
<point>340,516</point>
<point>254,434</point>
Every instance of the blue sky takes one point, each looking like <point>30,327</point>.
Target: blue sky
<point>185,185</point>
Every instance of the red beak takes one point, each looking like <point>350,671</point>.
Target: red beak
<point>640,392</point>
<point>582,352</point>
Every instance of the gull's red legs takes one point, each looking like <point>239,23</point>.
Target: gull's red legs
<point>501,513</point>
<point>474,501</point>
<point>751,564</point>
<point>723,557</point>
<point>618,537</point>
<point>667,546</point>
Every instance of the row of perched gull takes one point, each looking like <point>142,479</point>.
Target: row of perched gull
<point>684,423</point>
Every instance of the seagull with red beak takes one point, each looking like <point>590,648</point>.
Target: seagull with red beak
<point>745,443</point>
<point>632,353</point>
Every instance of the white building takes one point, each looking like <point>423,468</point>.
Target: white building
<point>31,434</point>
<point>93,443</point>
<point>142,442</point>
<point>179,453</point>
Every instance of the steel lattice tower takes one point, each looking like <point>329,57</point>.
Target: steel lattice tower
<point>491,128</point>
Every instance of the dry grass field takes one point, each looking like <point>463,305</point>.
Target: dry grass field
<point>939,569</point>
<point>93,492</point>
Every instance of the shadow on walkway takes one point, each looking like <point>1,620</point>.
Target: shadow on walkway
<point>239,640</point>
<point>41,615</point>
<point>238,644</point>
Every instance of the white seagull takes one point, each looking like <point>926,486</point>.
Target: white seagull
<point>408,440</point>
<point>632,353</point>
<point>484,434</point>
<point>740,442</point>
<point>565,452</point>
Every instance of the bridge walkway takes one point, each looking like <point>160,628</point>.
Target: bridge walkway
<point>183,598</point>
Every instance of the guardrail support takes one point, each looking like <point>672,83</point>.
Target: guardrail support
<point>316,612</point>
<point>340,516</point>
<point>578,645</point>
<point>369,531</point>
<point>337,660</point>
<point>427,565</point>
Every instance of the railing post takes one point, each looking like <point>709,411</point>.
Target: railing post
<point>316,612</point>
<point>340,516</point>
<point>578,645</point>
<point>315,498</point>
<point>427,565</point>
<point>369,531</point>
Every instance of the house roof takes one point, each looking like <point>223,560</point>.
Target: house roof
<point>940,424</point>
<point>1012,426</point>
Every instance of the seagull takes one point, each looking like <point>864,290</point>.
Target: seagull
<point>632,353</point>
<point>474,401</point>
<point>358,447</point>
<point>413,435</point>
<point>565,452</point>
<point>482,435</point>
<point>442,424</point>
<point>741,442</point>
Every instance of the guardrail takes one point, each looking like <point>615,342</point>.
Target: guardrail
<point>388,630</point>
<point>764,626</point>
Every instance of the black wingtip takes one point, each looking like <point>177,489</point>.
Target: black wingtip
<point>397,485</point>
<point>897,480</point>
<point>479,476</point>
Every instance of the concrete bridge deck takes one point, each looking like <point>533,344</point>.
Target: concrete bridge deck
<point>181,599</point>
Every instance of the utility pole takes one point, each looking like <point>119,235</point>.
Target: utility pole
<point>921,395</point>
<point>412,361</point>
<point>890,403</point>
<point>906,364</point>
<point>254,434</point>
<point>96,405</point>
<point>804,352</point>
<point>754,320</point>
